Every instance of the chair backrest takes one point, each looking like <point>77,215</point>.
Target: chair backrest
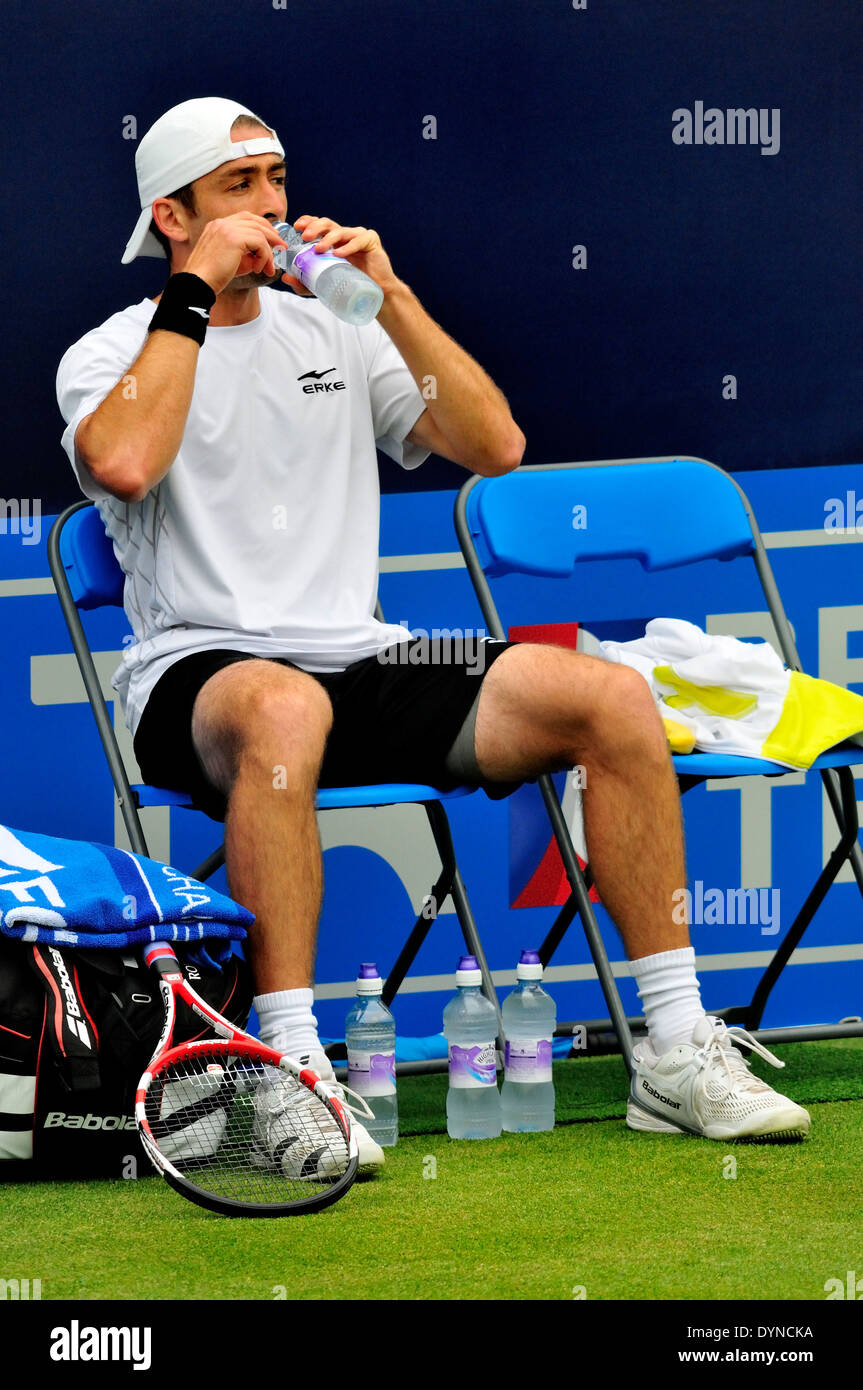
<point>87,556</point>
<point>543,520</point>
<point>662,512</point>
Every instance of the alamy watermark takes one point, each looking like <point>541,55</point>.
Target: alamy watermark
<point>844,515</point>
<point>21,516</point>
<point>734,126</point>
<point>849,1287</point>
<point>440,646</point>
<point>77,1343</point>
<point>20,1290</point>
<point>718,907</point>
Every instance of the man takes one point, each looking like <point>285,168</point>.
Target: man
<point>244,510</point>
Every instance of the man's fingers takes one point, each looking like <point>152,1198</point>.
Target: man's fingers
<point>297,286</point>
<point>335,232</point>
<point>351,247</point>
<point>271,234</point>
<point>248,222</point>
<point>313,226</point>
<point>331,233</point>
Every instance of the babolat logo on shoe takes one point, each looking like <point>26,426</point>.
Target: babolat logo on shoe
<point>58,1119</point>
<point>73,1013</point>
<point>657,1095</point>
<point>316,385</point>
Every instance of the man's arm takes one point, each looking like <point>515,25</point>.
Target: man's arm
<point>132,438</point>
<point>467,418</point>
<point>130,441</point>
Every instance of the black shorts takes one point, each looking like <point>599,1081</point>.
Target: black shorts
<point>394,720</point>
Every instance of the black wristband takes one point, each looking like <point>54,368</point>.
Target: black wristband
<point>185,307</point>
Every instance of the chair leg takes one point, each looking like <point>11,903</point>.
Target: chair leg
<point>474,946</point>
<point>847,819</point>
<point>451,884</point>
<point>589,923</point>
<point>439,823</point>
<point>830,780</point>
<point>559,926</point>
<point>208,866</point>
<point>408,954</point>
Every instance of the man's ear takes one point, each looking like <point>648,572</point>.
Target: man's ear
<point>171,219</point>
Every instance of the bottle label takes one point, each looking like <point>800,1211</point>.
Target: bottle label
<point>308,265</point>
<point>528,1059</point>
<point>472,1066</point>
<point>372,1073</point>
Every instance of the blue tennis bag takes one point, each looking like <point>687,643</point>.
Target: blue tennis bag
<point>80,1014</point>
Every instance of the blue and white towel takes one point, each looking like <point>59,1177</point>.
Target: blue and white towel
<point>73,893</point>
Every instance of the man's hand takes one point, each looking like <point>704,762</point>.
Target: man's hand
<point>232,246</point>
<point>359,245</point>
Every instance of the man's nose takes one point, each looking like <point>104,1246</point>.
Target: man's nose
<point>270,202</point>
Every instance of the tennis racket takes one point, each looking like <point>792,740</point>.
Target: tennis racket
<point>234,1126</point>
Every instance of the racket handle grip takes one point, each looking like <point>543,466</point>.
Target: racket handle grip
<point>161,957</point>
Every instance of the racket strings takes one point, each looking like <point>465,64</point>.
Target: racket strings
<point>245,1131</point>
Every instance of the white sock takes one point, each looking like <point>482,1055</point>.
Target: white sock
<point>287,1023</point>
<point>670,996</point>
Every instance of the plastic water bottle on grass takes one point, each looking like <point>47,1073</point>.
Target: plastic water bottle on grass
<point>529,1014</point>
<point>470,1028</point>
<point>370,1038</point>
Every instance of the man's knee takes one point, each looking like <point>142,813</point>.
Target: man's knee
<point>624,714</point>
<point>262,715</point>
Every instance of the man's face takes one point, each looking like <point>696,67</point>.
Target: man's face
<point>252,183</point>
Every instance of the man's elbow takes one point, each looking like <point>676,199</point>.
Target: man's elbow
<point>113,473</point>
<point>118,478</point>
<point>505,458</point>
<point>126,490</point>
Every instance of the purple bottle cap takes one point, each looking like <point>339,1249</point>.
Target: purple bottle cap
<point>468,972</point>
<point>369,980</point>
<point>529,966</point>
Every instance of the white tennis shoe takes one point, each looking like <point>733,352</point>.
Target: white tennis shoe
<point>278,1125</point>
<point>705,1087</point>
<point>282,1137</point>
<point>371,1155</point>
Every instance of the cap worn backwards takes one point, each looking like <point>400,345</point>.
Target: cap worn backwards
<point>189,141</point>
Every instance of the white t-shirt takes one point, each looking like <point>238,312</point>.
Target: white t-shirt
<point>263,535</point>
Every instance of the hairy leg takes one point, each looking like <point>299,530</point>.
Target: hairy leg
<point>260,731</point>
<point>546,708</point>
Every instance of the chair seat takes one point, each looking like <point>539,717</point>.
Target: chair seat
<point>731,765</point>
<point>328,799</point>
<point>406,793</point>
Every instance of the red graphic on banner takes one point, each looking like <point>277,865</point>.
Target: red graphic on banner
<point>552,634</point>
<point>546,884</point>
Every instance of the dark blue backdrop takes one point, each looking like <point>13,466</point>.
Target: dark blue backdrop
<point>554,129</point>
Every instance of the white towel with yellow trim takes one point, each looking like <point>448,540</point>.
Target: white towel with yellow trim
<point>721,695</point>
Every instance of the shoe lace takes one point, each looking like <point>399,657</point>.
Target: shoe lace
<point>720,1051</point>
<point>341,1092</point>
<point>283,1100</point>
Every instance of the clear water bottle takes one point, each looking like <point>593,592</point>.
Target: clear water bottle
<point>470,1028</point>
<point>345,289</point>
<point>527,1094</point>
<point>370,1037</point>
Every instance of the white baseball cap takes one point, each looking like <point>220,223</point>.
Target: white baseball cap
<point>189,141</point>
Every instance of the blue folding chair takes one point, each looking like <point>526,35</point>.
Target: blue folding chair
<point>665,513</point>
<point>87,576</point>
